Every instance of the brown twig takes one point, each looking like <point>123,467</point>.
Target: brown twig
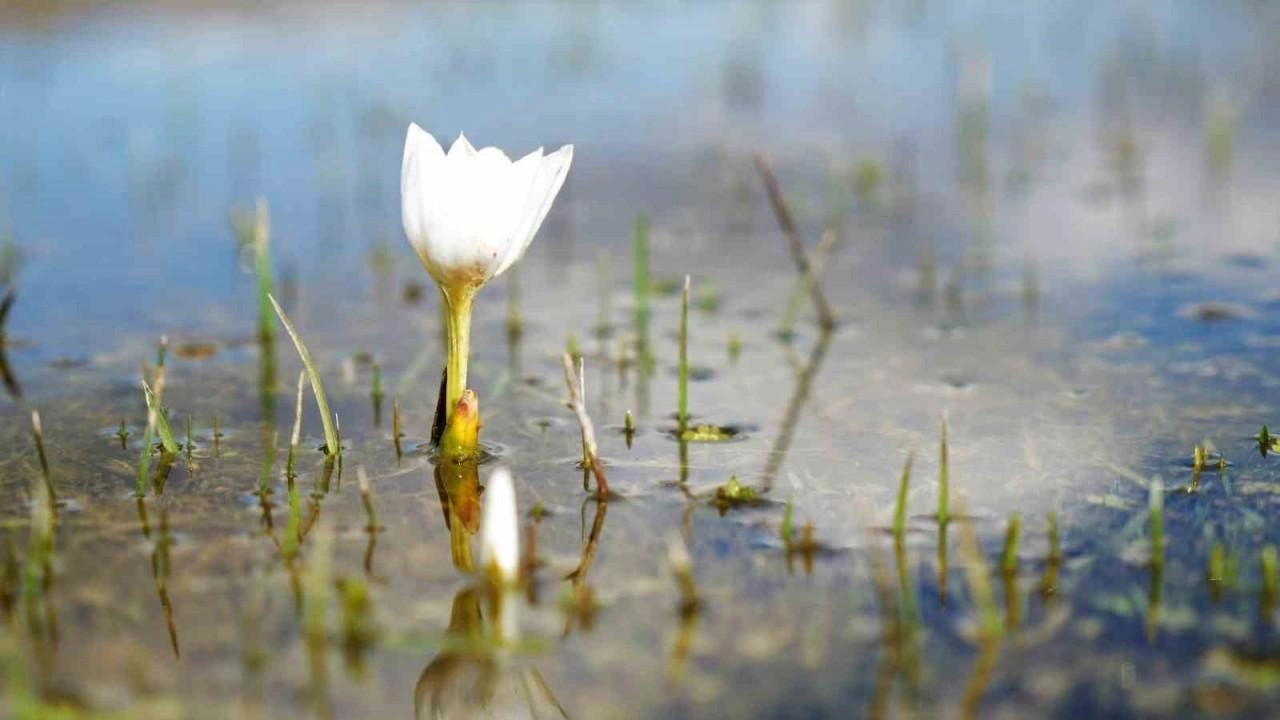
<point>577,403</point>
<point>826,319</point>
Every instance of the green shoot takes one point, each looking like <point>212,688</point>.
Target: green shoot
<point>291,468</point>
<point>802,289</point>
<point>167,440</point>
<point>37,432</point>
<point>786,530</point>
<point>396,434</point>
<point>682,408</point>
<point>262,268</point>
<point>376,393</point>
<point>735,346</point>
<point>900,510</point>
<point>1009,557</point>
<point>366,499</point>
<point>317,385</point>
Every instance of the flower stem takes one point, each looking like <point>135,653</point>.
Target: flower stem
<point>458,315</point>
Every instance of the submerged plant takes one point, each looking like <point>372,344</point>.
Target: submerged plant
<point>470,214</point>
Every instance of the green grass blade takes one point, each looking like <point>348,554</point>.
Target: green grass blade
<point>682,409</point>
<point>900,511</point>
<point>317,386</point>
<point>162,421</point>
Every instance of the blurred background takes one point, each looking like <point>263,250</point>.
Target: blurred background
<point>1056,225</point>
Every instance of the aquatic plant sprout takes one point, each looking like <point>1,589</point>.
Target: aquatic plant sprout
<point>500,529</point>
<point>470,214</point>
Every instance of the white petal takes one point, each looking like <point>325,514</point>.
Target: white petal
<point>499,528</point>
<point>541,192</point>
<point>421,155</point>
<point>461,147</point>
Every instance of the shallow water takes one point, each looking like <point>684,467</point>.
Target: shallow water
<point>1056,230</point>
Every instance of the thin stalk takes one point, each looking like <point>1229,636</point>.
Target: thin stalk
<point>293,527</point>
<point>1049,581</point>
<point>268,461</point>
<point>395,427</point>
<point>1009,556</point>
<point>37,432</point>
<point>826,318</point>
<point>366,499</point>
<point>900,511</point>
<point>796,300</point>
<point>262,268</point>
<point>458,310</point>
<point>682,408</point>
<point>376,393</point>
<point>161,352</point>
<point>162,422</point>
<point>332,446</point>
<point>578,403</point>
<point>787,528</point>
<point>291,468</point>
<point>144,457</point>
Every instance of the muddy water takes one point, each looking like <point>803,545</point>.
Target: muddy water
<point>1054,231</point>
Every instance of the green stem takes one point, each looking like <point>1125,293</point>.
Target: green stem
<point>458,315</point>
<point>682,409</point>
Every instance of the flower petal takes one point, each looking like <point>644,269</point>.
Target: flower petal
<point>422,154</point>
<point>538,196</point>
<point>461,147</point>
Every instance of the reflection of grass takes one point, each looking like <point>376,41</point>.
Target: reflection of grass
<point>1155,513</point>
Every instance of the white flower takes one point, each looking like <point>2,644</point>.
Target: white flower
<point>499,528</point>
<point>470,214</point>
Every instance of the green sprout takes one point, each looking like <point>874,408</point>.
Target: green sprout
<point>900,509</point>
<point>332,445</point>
